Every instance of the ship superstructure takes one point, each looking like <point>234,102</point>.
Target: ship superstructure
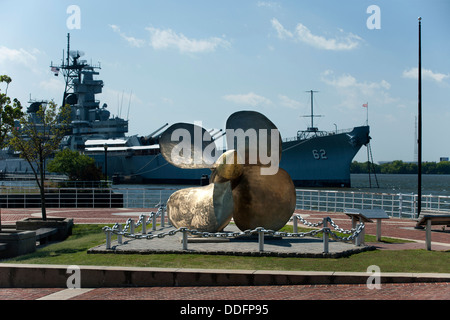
<point>88,119</point>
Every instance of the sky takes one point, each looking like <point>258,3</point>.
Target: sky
<point>200,61</point>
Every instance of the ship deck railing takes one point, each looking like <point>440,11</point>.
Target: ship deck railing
<point>317,133</point>
<point>394,204</point>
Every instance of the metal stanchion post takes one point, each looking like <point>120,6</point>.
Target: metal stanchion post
<point>131,226</point>
<point>428,235</point>
<point>108,239</point>
<point>154,221</point>
<point>185,242</point>
<point>325,235</point>
<point>261,239</point>
<point>119,236</point>
<point>358,239</point>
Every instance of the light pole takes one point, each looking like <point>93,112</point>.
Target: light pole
<point>419,135</point>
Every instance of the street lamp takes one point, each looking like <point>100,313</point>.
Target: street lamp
<point>419,138</point>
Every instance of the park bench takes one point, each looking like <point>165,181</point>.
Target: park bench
<point>44,234</point>
<point>367,215</point>
<point>432,219</point>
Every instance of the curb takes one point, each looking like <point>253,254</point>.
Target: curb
<point>101,249</point>
<point>57,276</point>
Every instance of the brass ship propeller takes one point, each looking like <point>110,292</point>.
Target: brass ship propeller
<point>246,183</point>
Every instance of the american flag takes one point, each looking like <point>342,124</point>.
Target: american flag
<point>55,70</point>
<point>365,105</point>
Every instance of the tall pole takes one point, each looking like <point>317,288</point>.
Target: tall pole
<point>312,110</point>
<point>367,113</point>
<point>419,134</point>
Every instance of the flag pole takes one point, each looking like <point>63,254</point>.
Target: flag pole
<point>419,137</point>
<point>366,105</point>
<point>367,114</point>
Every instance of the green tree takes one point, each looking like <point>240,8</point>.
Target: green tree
<point>77,166</point>
<point>38,138</point>
<point>364,167</point>
<point>429,168</point>
<point>443,167</point>
<point>10,111</point>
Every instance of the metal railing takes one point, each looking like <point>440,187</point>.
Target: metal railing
<point>92,197</point>
<point>394,204</point>
<point>29,197</point>
<point>144,197</point>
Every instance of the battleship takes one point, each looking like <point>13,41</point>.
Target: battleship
<point>313,158</point>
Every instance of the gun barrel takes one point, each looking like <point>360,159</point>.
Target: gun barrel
<point>151,135</point>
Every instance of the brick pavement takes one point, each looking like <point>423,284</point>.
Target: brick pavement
<point>417,291</point>
<point>409,291</point>
<point>394,227</point>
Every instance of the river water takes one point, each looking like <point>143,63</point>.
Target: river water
<point>433,184</point>
<point>438,185</point>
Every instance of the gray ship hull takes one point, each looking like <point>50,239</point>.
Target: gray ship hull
<point>323,161</point>
<point>320,161</point>
<point>149,169</point>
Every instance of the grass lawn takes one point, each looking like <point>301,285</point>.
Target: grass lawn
<point>73,251</point>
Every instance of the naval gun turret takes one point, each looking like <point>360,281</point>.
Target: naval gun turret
<point>152,138</point>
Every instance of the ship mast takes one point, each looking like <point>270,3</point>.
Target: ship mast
<point>312,128</point>
<point>67,63</point>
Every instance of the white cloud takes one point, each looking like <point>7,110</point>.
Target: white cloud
<point>20,56</point>
<point>167,100</point>
<point>355,92</point>
<point>426,74</point>
<point>249,99</point>
<point>268,4</point>
<point>348,41</point>
<point>288,102</point>
<point>53,85</point>
<point>348,81</point>
<point>134,42</point>
<point>167,38</point>
<point>281,31</point>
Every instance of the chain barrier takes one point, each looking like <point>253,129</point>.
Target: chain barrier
<point>128,231</point>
